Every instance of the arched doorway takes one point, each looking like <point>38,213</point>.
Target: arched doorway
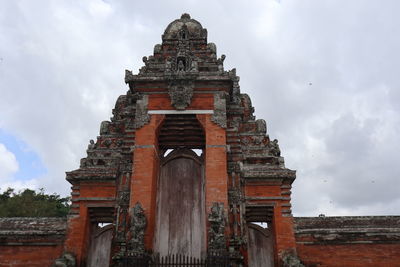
<point>180,220</point>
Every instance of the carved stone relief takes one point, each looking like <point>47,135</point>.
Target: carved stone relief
<point>274,148</point>
<point>181,92</point>
<point>219,115</point>
<point>137,229</point>
<point>142,117</point>
<point>105,127</point>
<point>216,218</point>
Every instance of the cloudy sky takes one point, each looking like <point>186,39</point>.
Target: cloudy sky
<point>324,74</point>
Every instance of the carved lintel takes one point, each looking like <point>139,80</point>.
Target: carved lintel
<point>216,218</point>
<point>219,115</point>
<point>138,226</point>
<point>181,92</point>
<point>142,117</point>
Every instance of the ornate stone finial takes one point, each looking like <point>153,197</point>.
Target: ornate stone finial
<point>216,218</point>
<point>138,226</point>
<point>185,16</point>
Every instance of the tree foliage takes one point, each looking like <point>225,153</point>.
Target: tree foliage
<point>29,203</point>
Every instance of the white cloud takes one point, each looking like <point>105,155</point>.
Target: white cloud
<point>8,163</point>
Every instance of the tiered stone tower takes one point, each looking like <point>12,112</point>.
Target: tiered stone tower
<point>166,203</point>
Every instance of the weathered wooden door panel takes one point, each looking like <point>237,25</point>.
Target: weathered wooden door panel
<point>100,247</point>
<point>180,205</point>
<point>260,247</point>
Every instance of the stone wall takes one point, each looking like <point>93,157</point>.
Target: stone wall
<point>31,241</point>
<point>348,241</point>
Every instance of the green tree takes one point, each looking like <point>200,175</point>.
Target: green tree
<point>29,203</point>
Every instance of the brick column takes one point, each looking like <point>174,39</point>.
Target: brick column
<point>145,173</point>
<point>283,233</point>
<point>216,175</point>
<point>77,240</point>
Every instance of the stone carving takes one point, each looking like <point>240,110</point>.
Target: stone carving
<point>123,198</point>
<point>128,76</point>
<point>291,260</point>
<point>235,196</point>
<point>105,127</point>
<point>216,218</point>
<point>181,93</point>
<point>91,145</point>
<point>142,117</point>
<point>194,67</point>
<point>168,66</point>
<point>261,126</point>
<point>66,260</point>
<point>157,49</point>
<point>138,226</point>
<point>212,47</point>
<point>220,62</point>
<point>219,115</point>
<point>181,66</point>
<point>274,148</point>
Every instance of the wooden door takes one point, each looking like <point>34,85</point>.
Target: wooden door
<point>180,221</point>
<point>100,247</point>
<point>260,246</point>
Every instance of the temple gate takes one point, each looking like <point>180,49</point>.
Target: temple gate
<point>143,178</point>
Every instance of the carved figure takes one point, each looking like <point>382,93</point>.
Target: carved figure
<point>194,67</point>
<point>219,114</point>
<point>91,145</point>
<point>274,148</point>
<point>104,127</point>
<point>66,260</point>
<point>83,163</point>
<point>138,226</point>
<point>220,62</point>
<point>216,219</point>
<point>181,66</point>
<point>107,142</point>
<point>181,94</point>
<point>291,260</point>
<point>168,66</point>
<point>141,116</point>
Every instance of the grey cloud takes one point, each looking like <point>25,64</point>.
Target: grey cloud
<point>63,62</point>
